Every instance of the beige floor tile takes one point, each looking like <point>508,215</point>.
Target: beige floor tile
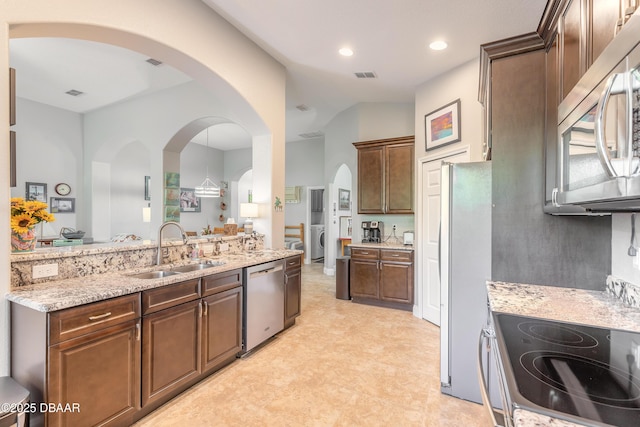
<point>342,364</point>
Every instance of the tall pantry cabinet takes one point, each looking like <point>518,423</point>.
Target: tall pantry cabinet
<point>529,246</point>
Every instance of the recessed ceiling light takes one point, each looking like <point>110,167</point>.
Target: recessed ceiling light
<point>438,45</point>
<point>345,51</point>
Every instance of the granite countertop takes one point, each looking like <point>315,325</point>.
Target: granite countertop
<point>389,244</point>
<point>60,294</point>
<point>596,308</point>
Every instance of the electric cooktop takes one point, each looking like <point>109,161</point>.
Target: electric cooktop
<point>584,374</point>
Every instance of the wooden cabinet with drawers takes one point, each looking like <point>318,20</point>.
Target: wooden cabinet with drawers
<point>189,330</point>
<point>382,277</point>
<point>73,355</point>
<point>121,358</point>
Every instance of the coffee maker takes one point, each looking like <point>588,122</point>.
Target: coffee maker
<point>372,231</point>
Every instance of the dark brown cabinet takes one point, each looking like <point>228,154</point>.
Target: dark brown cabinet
<point>292,289</point>
<point>221,328</point>
<point>382,277</point>
<point>189,330</point>
<point>73,355</point>
<point>385,176</point>
<point>584,29</point>
<point>364,271</point>
<point>396,276</point>
<point>171,351</point>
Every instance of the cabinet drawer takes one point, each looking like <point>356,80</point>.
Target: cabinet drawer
<point>221,282</point>
<point>400,256</point>
<point>76,321</point>
<point>168,296</point>
<point>292,263</point>
<point>363,253</point>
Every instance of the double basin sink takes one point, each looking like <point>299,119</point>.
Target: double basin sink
<point>158,274</point>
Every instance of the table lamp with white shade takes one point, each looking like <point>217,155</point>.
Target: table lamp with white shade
<point>249,211</point>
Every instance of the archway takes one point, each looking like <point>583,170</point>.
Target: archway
<point>336,209</point>
<point>188,35</point>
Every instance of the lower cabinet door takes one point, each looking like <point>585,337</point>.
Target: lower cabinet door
<point>99,375</point>
<point>170,350</point>
<point>364,278</point>
<point>221,328</point>
<point>396,282</point>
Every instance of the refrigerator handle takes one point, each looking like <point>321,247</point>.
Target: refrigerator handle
<point>439,249</point>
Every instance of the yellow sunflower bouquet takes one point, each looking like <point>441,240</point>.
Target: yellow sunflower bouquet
<point>25,214</point>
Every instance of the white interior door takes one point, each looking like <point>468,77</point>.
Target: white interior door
<point>430,221</point>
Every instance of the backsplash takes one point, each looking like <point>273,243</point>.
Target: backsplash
<point>627,292</point>
<point>87,260</point>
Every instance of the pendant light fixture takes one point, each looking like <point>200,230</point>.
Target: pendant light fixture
<point>207,188</point>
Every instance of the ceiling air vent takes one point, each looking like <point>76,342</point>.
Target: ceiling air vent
<point>315,134</point>
<point>74,92</point>
<point>154,62</point>
<point>366,75</point>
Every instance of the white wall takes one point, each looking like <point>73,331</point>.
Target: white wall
<point>462,83</point>
<point>304,167</point>
<point>49,150</point>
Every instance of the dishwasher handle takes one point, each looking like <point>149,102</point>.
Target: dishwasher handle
<point>266,271</point>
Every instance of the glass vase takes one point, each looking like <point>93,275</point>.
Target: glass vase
<point>23,242</point>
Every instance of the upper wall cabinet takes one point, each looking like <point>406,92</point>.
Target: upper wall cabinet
<point>584,29</point>
<point>385,176</point>
<point>576,33</point>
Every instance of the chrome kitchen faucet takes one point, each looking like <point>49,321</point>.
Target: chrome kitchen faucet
<point>184,239</point>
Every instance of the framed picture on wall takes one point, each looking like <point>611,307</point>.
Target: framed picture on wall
<point>188,200</point>
<point>442,126</point>
<point>36,191</point>
<point>147,187</point>
<point>62,205</point>
<point>344,198</point>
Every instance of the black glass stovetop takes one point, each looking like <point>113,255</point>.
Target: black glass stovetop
<point>583,371</point>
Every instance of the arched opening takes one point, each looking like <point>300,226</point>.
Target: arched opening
<point>340,207</point>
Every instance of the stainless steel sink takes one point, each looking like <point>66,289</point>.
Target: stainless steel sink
<point>198,266</point>
<point>154,274</point>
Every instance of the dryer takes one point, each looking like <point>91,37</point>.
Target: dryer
<point>317,241</point>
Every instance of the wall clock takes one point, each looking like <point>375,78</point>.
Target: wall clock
<point>63,189</point>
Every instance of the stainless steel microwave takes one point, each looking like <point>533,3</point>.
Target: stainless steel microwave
<point>599,131</point>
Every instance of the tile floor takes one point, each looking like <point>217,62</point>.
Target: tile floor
<point>342,364</point>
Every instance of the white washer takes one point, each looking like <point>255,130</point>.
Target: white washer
<point>317,241</point>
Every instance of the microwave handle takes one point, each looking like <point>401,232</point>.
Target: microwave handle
<point>601,146</point>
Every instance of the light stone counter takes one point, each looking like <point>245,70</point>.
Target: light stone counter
<point>598,308</point>
<point>384,245</point>
<point>60,294</point>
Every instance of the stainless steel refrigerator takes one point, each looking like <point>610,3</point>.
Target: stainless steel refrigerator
<point>465,266</point>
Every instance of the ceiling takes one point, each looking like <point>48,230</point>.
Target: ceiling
<point>389,38</point>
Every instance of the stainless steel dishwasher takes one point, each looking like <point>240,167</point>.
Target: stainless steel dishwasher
<point>263,303</point>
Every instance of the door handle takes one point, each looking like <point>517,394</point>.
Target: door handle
<point>615,83</point>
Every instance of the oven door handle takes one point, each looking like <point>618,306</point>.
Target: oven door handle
<point>485,334</point>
